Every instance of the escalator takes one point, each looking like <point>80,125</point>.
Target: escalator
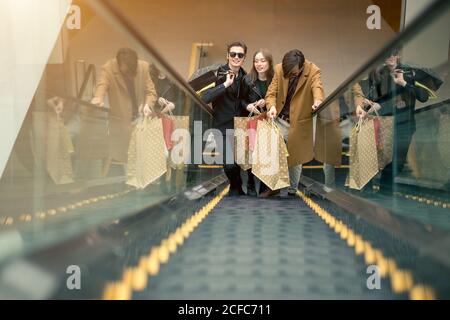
<point>183,236</point>
<point>263,249</point>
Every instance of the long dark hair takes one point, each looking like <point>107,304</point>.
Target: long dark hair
<point>292,59</point>
<point>269,73</point>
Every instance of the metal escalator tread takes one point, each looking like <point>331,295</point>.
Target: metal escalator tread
<point>250,248</point>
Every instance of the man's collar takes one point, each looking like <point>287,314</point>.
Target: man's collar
<point>226,66</point>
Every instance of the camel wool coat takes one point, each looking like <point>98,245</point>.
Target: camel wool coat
<point>111,82</point>
<point>301,146</point>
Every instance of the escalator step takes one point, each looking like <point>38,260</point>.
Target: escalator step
<point>263,249</point>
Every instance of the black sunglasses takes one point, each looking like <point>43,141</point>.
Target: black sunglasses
<point>234,54</point>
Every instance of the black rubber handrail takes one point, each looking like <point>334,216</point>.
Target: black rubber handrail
<point>111,12</point>
<point>434,10</point>
<point>420,110</point>
<point>85,103</point>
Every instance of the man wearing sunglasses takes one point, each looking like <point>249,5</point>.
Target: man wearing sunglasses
<point>226,99</point>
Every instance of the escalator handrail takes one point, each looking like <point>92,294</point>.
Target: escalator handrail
<point>430,107</point>
<point>85,103</point>
<point>111,12</point>
<point>91,70</point>
<point>415,27</point>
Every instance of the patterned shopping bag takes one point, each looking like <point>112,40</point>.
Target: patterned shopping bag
<point>363,154</point>
<point>146,153</point>
<point>245,139</point>
<point>270,156</point>
<point>59,150</point>
<point>384,135</point>
<point>241,152</point>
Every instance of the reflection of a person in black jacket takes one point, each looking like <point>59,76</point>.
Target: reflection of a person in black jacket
<point>392,90</point>
<point>226,99</point>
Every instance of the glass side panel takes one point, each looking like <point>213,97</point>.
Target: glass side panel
<point>392,126</point>
<point>102,130</point>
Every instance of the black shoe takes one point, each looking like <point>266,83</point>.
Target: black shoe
<point>251,192</point>
<point>235,192</point>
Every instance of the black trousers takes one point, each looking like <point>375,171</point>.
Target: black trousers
<point>231,168</point>
<point>402,139</point>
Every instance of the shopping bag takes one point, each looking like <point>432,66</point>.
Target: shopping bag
<point>245,138</point>
<point>241,152</point>
<point>146,153</point>
<point>384,135</point>
<point>363,154</point>
<point>252,125</point>
<point>269,156</point>
<point>59,150</point>
<point>167,124</point>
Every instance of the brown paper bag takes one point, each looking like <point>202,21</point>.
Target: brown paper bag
<point>270,156</point>
<point>146,153</point>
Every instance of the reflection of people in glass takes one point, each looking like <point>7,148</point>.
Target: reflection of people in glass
<point>164,89</point>
<point>256,84</point>
<point>56,103</point>
<point>131,91</point>
<point>392,90</point>
<point>48,101</point>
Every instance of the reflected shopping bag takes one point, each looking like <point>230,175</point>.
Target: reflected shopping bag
<point>167,124</point>
<point>59,150</point>
<point>363,154</point>
<point>269,157</point>
<point>384,135</point>
<point>146,153</point>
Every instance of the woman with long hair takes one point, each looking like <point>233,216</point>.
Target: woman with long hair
<point>258,80</point>
<point>256,84</point>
